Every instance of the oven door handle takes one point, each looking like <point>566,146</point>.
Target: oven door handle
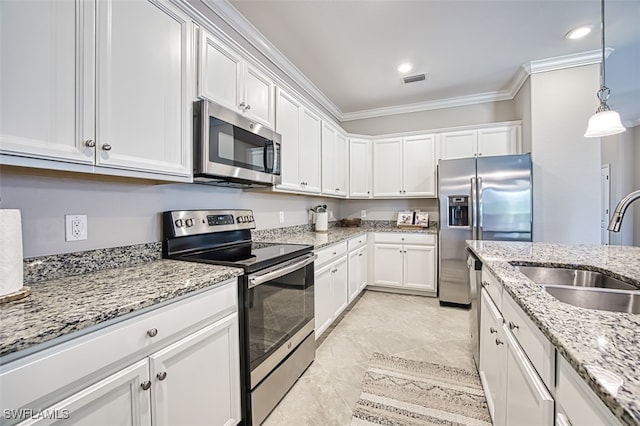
<point>261,279</point>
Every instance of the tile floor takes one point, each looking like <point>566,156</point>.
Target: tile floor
<point>412,327</point>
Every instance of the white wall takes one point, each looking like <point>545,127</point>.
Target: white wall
<point>636,210</point>
<point>387,209</point>
<point>490,112</point>
<point>124,211</point>
<point>566,166</point>
<point>522,109</point>
<point>618,152</point>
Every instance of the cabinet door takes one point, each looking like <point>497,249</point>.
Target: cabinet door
<point>322,299</point>
<point>388,264</point>
<point>340,168</point>
<point>197,379</point>
<point>143,114</point>
<point>527,400</point>
<point>462,144</point>
<point>45,60</point>
<point>357,272</point>
<point>419,267</point>
<point>328,159</point>
<point>259,97</point>
<point>419,166</point>
<point>220,72</point>
<point>309,154</point>
<point>360,168</point>
<point>339,287</point>
<point>387,168</point>
<point>117,400</point>
<point>498,141</point>
<point>492,358</point>
<point>288,125</point>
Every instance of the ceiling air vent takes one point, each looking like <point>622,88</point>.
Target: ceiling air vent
<point>414,78</point>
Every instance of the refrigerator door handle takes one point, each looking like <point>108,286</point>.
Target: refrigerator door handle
<point>479,195</point>
<point>474,212</point>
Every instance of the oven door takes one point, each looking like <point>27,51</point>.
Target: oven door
<point>279,313</point>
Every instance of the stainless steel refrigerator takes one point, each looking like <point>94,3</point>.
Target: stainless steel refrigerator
<point>483,198</point>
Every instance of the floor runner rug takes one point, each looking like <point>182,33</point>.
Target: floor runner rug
<point>397,391</point>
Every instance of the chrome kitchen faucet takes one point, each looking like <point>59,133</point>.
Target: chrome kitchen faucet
<point>620,210</point>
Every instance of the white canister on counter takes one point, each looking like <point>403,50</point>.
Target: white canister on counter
<point>11,269</point>
<point>322,222</point>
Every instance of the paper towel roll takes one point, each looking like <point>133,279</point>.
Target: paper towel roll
<point>11,272</point>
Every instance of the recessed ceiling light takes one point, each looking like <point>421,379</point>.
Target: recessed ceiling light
<point>406,67</point>
<point>578,33</point>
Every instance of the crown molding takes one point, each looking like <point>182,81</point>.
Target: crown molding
<point>567,61</point>
<point>632,123</point>
<point>225,10</point>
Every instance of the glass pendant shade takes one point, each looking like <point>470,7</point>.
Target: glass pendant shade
<point>604,123</point>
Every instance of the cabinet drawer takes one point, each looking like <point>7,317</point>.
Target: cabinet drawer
<point>493,287</point>
<point>578,402</point>
<point>404,238</point>
<point>69,366</point>
<point>357,242</point>
<point>538,349</point>
<point>329,253</point>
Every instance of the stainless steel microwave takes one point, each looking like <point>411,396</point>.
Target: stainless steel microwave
<point>232,150</point>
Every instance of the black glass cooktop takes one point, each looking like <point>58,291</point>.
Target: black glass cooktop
<point>252,256</point>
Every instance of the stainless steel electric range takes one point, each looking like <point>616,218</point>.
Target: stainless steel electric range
<point>275,296</point>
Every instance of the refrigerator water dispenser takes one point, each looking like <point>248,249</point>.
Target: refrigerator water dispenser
<point>458,210</point>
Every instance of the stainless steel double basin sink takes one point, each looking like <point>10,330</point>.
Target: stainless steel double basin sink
<point>586,289</point>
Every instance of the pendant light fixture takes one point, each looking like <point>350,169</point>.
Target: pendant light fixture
<point>604,122</point>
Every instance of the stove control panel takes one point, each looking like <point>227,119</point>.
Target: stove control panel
<point>181,223</point>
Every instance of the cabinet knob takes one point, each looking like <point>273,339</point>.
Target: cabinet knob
<point>146,385</point>
<point>492,330</point>
<point>334,253</point>
<point>90,143</point>
<point>359,254</point>
<point>106,147</point>
<point>162,375</point>
<point>152,332</point>
<point>337,189</point>
<point>402,238</point>
<point>513,325</point>
<point>499,342</point>
<point>368,192</point>
<point>485,284</point>
<point>247,108</point>
<point>241,106</point>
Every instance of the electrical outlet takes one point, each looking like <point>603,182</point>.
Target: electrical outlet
<point>363,213</point>
<point>281,217</point>
<point>75,227</point>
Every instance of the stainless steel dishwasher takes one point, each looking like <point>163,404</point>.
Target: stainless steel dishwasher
<point>474,272</point>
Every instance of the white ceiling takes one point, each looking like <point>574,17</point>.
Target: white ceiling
<point>350,49</point>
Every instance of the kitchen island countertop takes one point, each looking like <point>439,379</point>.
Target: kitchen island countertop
<point>586,338</point>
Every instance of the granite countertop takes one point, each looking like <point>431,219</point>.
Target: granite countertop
<point>586,338</point>
<point>65,305</point>
<point>304,234</point>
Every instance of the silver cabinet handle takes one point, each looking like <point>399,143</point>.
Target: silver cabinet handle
<point>492,330</point>
<point>152,332</point>
<point>146,385</point>
<point>359,254</point>
<point>334,253</point>
<point>90,143</point>
<point>499,342</point>
<point>106,147</point>
<point>513,325</point>
<point>284,270</point>
<point>162,375</point>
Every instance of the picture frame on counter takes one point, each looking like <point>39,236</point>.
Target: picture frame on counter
<point>405,218</point>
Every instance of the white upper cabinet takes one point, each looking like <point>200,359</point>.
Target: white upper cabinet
<point>360,168</point>
<point>405,167</point>
<point>142,107</point>
<point>300,149</point>
<point>41,107</point>
<point>499,140</point>
<point>61,53</point>
<point>226,78</point>
<point>334,152</point>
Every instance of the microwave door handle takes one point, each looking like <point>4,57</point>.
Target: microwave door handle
<point>256,280</point>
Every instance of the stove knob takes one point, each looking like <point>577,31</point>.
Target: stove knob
<point>240,219</point>
<point>189,222</point>
<point>179,223</point>
<point>246,219</point>
<point>251,219</point>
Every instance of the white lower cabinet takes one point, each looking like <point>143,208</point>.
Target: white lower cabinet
<point>405,261</point>
<point>515,393</point>
<point>357,272</point>
<point>330,286</point>
<point>178,364</point>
